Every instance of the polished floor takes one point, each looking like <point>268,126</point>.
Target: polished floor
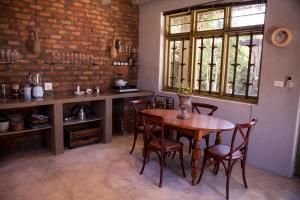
<point>109,172</point>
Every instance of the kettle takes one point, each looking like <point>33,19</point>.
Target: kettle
<point>120,82</point>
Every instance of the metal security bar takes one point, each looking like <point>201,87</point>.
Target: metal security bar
<point>247,83</point>
<point>212,64</point>
<point>173,64</point>
<point>202,47</point>
<point>182,64</point>
<point>235,64</point>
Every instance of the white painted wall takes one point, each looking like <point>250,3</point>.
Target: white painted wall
<point>272,143</point>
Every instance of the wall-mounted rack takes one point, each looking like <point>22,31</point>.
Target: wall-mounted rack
<point>9,57</point>
<point>70,57</point>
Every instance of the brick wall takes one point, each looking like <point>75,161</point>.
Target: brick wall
<point>65,25</point>
<point>81,25</point>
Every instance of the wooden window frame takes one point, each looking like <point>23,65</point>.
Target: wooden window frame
<point>193,35</point>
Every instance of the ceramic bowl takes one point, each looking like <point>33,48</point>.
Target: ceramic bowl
<point>4,124</point>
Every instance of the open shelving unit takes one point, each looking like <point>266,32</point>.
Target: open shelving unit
<point>32,136</point>
<point>87,120</point>
<point>79,132</point>
<point>26,130</point>
<point>99,122</point>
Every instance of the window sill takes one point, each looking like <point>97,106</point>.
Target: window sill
<point>216,97</point>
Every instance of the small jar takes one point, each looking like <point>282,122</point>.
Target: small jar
<point>15,90</point>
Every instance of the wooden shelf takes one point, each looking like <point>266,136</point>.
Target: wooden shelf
<point>24,131</point>
<point>78,121</point>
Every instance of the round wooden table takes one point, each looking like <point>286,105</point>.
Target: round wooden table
<point>199,125</point>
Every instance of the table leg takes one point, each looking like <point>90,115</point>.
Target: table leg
<point>196,158</point>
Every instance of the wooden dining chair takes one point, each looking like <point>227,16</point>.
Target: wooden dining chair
<point>197,107</point>
<point>139,105</point>
<point>159,144</point>
<point>231,154</point>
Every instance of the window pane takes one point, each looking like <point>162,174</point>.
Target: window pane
<point>181,24</point>
<point>248,15</point>
<point>205,76</point>
<point>179,71</point>
<point>242,68</point>
<point>210,20</point>
<point>256,60</point>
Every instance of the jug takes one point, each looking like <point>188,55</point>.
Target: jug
<point>26,91</point>
<point>37,92</point>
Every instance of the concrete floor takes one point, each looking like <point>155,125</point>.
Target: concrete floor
<point>109,172</point>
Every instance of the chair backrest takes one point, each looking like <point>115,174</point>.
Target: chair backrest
<point>164,102</point>
<point>138,105</point>
<point>151,123</point>
<point>244,130</point>
<point>198,106</point>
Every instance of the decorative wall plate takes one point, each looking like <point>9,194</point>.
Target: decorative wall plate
<point>281,37</point>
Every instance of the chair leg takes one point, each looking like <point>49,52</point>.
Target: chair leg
<point>165,160</point>
<point>216,169</point>
<point>174,154</point>
<point>134,141</point>
<point>178,136</point>
<point>244,173</point>
<point>190,145</point>
<point>181,161</point>
<point>202,169</point>
<point>161,169</point>
<point>207,140</point>
<point>145,160</point>
<point>228,181</point>
<point>177,139</point>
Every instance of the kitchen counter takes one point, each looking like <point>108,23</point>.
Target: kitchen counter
<point>19,103</point>
<point>103,101</point>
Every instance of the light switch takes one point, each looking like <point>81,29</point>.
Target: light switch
<point>278,83</point>
<point>48,86</point>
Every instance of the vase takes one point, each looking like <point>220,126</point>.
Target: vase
<point>184,104</point>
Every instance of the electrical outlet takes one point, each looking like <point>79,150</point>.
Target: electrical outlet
<point>48,86</point>
<point>278,84</point>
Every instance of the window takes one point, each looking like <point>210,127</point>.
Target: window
<point>180,24</point>
<point>248,15</point>
<point>210,20</point>
<point>215,51</point>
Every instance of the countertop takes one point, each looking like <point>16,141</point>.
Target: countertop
<point>19,103</point>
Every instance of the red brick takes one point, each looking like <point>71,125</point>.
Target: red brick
<point>14,43</point>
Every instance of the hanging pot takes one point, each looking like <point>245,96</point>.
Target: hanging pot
<point>36,42</point>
